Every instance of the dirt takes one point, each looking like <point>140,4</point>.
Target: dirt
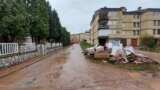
<point>153,55</point>
<point>69,70</point>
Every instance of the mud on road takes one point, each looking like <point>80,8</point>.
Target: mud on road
<point>69,70</point>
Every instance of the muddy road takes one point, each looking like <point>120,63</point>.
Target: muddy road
<point>68,70</point>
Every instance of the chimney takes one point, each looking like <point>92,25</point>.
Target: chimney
<point>105,7</point>
<point>139,8</point>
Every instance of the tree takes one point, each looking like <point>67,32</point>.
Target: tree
<point>56,26</point>
<point>52,32</point>
<point>20,18</point>
<point>57,33</point>
<point>148,40</point>
<point>65,37</point>
<point>39,18</point>
<point>13,20</point>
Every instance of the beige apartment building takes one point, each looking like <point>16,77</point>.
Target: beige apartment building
<point>86,36</point>
<point>76,38</point>
<point>123,25</point>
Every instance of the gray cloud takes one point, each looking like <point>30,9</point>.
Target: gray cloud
<point>76,15</point>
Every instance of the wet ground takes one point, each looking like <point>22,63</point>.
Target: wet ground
<point>68,70</point>
<point>155,56</point>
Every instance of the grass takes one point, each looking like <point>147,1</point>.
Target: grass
<point>150,68</point>
<point>156,49</point>
<point>85,45</point>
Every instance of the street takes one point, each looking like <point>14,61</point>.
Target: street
<point>69,70</point>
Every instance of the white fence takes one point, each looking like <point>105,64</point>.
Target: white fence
<point>51,45</point>
<point>8,48</point>
<point>11,48</point>
<point>48,45</point>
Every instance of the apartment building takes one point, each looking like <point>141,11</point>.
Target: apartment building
<point>76,38</point>
<point>123,25</point>
<point>86,36</point>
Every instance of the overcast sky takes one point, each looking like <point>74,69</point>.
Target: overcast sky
<point>76,15</point>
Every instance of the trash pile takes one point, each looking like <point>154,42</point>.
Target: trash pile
<point>114,52</point>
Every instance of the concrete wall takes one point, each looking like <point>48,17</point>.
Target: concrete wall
<point>13,59</point>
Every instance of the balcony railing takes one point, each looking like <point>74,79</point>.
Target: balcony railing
<point>106,32</point>
<point>103,27</point>
<point>103,18</point>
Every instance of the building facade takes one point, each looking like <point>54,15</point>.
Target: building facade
<point>77,38</point>
<point>86,36</point>
<point>123,25</point>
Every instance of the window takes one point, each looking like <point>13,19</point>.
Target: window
<point>114,31</point>
<point>158,22</point>
<point>138,32</point>
<point>154,22</point>
<point>156,13</point>
<point>114,22</point>
<point>134,16</point>
<point>134,24</point>
<point>104,23</point>
<point>104,32</point>
<point>154,31</point>
<point>134,32</point>
<point>103,16</point>
<point>123,26</point>
<point>158,31</point>
<point>111,13</point>
<point>138,24</point>
<point>138,16</point>
<point>123,32</point>
<point>110,22</point>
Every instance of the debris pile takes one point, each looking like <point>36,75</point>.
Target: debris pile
<point>114,52</point>
<point>101,55</point>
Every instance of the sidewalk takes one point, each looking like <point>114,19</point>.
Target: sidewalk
<point>152,55</point>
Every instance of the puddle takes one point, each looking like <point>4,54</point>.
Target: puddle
<point>153,84</point>
<point>61,59</point>
<point>135,75</point>
<point>31,81</point>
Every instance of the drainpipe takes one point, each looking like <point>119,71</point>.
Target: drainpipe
<point>140,28</point>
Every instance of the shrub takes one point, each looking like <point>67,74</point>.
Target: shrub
<point>148,41</point>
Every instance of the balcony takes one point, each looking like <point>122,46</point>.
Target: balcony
<point>106,32</point>
<point>102,18</point>
<point>103,27</point>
